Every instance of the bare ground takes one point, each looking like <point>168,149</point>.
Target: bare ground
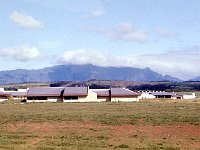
<point>184,136</point>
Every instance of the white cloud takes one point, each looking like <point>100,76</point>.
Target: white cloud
<point>25,20</point>
<point>123,31</point>
<point>72,5</point>
<point>81,56</point>
<point>93,14</point>
<point>23,53</point>
<point>182,64</point>
<point>97,13</point>
<point>127,32</point>
<point>140,36</point>
<point>50,44</point>
<point>179,63</point>
<point>125,27</point>
<point>101,30</point>
<point>165,33</point>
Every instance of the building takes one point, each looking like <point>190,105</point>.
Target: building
<point>189,96</point>
<point>1,89</point>
<point>19,94</point>
<point>170,95</point>
<point>146,95</point>
<point>79,94</point>
<point>103,95</point>
<point>123,95</point>
<point>45,94</point>
<point>3,96</point>
<point>84,94</point>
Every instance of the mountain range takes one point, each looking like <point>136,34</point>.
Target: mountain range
<point>195,79</point>
<point>82,73</point>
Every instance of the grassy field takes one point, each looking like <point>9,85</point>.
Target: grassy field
<point>149,124</point>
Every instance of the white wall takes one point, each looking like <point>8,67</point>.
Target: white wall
<point>19,98</point>
<point>146,95</point>
<point>3,99</point>
<point>22,90</point>
<point>92,96</point>
<point>54,99</point>
<point>192,96</point>
<point>80,99</point>
<point>37,101</point>
<point>49,99</point>
<point>124,99</point>
<point>103,98</point>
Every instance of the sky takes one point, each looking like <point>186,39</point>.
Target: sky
<point>160,34</point>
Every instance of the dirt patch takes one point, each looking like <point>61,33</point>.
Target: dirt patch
<point>159,131</point>
<point>185,136</point>
<point>168,131</point>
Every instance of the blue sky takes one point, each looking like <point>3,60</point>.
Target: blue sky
<point>160,34</point>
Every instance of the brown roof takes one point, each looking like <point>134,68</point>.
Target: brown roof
<point>45,91</point>
<point>105,92</point>
<point>18,94</point>
<point>121,92</point>
<point>75,91</point>
<point>163,93</point>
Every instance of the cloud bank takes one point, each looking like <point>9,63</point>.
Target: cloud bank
<point>82,56</point>
<point>179,63</point>
<point>23,53</point>
<point>25,20</point>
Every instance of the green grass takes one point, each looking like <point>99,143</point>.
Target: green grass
<point>104,113</point>
<point>92,125</point>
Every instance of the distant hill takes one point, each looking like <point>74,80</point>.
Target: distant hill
<point>82,73</point>
<point>195,79</point>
